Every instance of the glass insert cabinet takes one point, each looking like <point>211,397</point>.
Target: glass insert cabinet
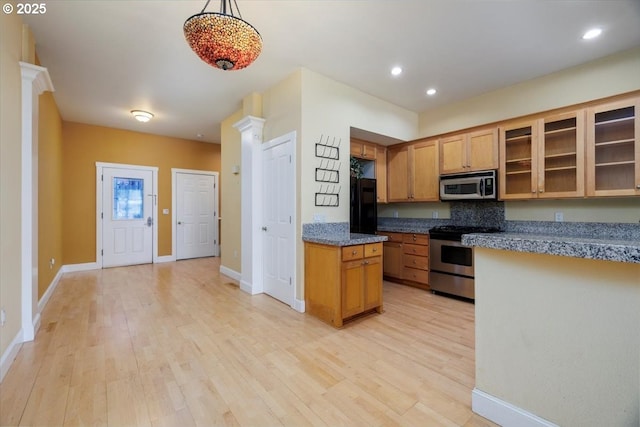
<point>587,152</point>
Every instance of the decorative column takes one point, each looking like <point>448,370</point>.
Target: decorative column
<point>35,80</point>
<point>250,129</point>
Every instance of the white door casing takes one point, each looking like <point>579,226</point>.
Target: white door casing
<point>195,213</point>
<point>126,229</point>
<point>278,200</point>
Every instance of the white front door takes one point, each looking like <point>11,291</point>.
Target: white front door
<point>127,216</point>
<point>278,214</point>
<point>196,228</point>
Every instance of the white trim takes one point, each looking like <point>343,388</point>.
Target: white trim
<point>164,258</point>
<point>174,204</point>
<point>10,354</point>
<point>52,287</point>
<point>504,413</point>
<point>250,129</point>
<point>154,210</point>
<point>299,306</point>
<point>230,273</point>
<point>35,80</point>
<point>87,266</point>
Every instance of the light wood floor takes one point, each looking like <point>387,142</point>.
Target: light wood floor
<point>177,345</point>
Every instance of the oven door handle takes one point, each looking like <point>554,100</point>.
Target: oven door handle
<point>482,187</point>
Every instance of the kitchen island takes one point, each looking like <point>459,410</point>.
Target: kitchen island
<point>343,274</point>
<point>557,329</point>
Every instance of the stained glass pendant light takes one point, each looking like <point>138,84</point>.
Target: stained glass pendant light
<point>223,40</point>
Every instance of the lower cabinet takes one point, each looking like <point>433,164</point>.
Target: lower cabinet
<point>342,282</point>
<point>406,258</point>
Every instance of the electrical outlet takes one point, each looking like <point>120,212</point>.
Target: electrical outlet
<point>3,317</point>
<point>319,218</point>
<point>434,214</point>
<point>559,216</point>
<point>235,254</point>
<point>395,214</point>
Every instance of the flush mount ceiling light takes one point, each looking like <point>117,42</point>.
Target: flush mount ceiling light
<point>592,34</point>
<point>142,116</point>
<point>431,92</point>
<point>223,40</point>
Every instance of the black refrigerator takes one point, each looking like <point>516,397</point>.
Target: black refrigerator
<point>364,208</point>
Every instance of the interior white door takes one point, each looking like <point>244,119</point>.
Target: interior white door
<point>196,232</point>
<point>278,208</point>
<point>127,216</point>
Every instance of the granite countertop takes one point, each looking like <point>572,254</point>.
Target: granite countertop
<point>416,229</point>
<point>600,248</point>
<point>345,239</point>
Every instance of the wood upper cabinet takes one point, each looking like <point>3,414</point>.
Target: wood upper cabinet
<point>613,149</point>
<point>468,152</point>
<point>363,149</point>
<point>412,172</point>
<point>342,282</point>
<point>381,174</point>
<point>543,158</point>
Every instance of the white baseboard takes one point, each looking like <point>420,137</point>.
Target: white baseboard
<point>504,413</point>
<point>246,287</point>
<point>164,258</point>
<point>298,305</point>
<point>52,287</point>
<point>230,273</point>
<point>10,354</point>
<point>72,268</point>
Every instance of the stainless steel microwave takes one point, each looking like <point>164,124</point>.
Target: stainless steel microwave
<point>469,186</point>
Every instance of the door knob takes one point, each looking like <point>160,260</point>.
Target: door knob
<point>149,222</point>
<point>264,228</point>
<point>179,222</point>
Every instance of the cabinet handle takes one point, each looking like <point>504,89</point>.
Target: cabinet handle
<point>414,261</point>
<point>638,186</point>
<point>375,249</point>
<point>541,191</point>
<point>354,252</point>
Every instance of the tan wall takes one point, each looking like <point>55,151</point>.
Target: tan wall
<point>561,341</point>
<point>10,172</point>
<point>49,191</point>
<point>84,145</point>
<point>230,210</point>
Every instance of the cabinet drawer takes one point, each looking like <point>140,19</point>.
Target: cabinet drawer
<point>411,249</point>
<point>352,252</point>
<point>393,237</point>
<point>418,239</point>
<point>414,261</point>
<point>415,275</point>
<point>372,249</point>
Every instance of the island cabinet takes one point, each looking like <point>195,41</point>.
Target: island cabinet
<point>412,172</point>
<point>469,152</point>
<point>543,158</point>
<point>342,282</point>
<point>613,149</point>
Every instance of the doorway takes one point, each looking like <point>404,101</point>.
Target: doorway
<point>195,214</point>
<point>126,200</point>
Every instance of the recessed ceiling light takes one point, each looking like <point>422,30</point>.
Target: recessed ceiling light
<point>396,71</point>
<point>592,34</point>
<point>431,92</point>
<point>142,116</point>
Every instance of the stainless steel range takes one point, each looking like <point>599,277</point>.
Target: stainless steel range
<point>451,264</point>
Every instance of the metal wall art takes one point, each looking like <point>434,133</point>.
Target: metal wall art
<point>328,171</point>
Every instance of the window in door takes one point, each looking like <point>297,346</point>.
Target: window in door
<point>128,194</point>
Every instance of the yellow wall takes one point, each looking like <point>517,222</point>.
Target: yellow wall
<point>230,210</point>
<point>10,172</point>
<point>84,145</point>
<point>49,191</point>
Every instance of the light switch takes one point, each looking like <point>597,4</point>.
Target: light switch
<point>165,211</point>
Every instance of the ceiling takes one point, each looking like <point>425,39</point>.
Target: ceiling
<point>106,58</point>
